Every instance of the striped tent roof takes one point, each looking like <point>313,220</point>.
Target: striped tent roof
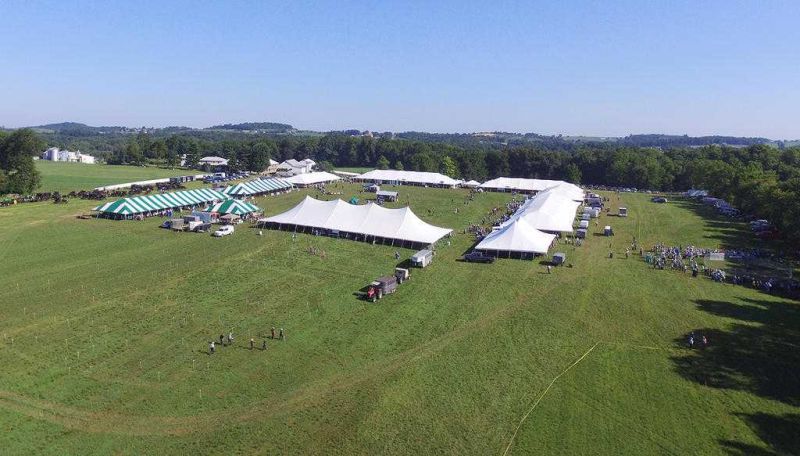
<point>233,206</point>
<point>159,201</point>
<point>257,186</point>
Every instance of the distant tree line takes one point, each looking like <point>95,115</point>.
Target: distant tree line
<point>759,179</point>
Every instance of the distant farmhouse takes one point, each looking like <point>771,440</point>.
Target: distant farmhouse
<point>293,167</point>
<point>56,154</point>
<point>213,161</point>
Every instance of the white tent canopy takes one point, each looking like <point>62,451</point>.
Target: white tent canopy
<point>517,236</point>
<point>532,185</point>
<point>471,184</point>
<point>368,220</point>
<point>547,211</point>
<point>410,177</point>
<point>313,178</point>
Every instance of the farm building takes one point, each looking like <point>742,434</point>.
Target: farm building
<point>257,187</point>
<point>395,177</point>
<point>157,203</point>
<point>233,206</point>
<point>369,222</point>
<point>307,179</point>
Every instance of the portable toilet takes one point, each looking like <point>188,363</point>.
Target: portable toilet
<point>586,216</point>
<point>608,231</point>
<point>623,212</point>
<point>584,224</point>
<point>559,258</point>
<point>581,234</point>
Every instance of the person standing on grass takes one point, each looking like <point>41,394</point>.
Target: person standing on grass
<point>230,338</point>
<point>252,343</point>
<point>222,339</point>
<point>211,348</point>
<point>549,269</point>
<point>264,344</point>
<point>282,336</point>
<point>272,333</point>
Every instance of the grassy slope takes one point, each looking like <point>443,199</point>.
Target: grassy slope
<point>110,322</point>
<point>65,177</point>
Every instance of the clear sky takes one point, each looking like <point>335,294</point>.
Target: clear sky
<point>579,68</point>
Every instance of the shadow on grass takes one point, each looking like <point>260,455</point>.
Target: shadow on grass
<point>757,354</point>
<point>779,432</point>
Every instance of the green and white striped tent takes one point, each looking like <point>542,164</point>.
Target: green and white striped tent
<point>233,206</point>
<point>257,187</point>
<point>161,201</point>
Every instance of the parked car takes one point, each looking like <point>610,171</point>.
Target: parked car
<point>478,257</point>
<point>224,231</point>
<point>659,199</point>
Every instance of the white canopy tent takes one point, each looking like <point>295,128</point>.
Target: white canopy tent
<point>368,220</point>
<point>517,236</point>
<point>471,184</point>
<point>314,178</point>
<point>392,176</point>
<point>547,211</point>
<point>533,186</point>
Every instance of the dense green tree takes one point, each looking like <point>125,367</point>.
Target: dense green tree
<point>398,165</point>
<point>16,160</point>
<point>382,163</point>
<point>449,167</point>
<point>133,153</point>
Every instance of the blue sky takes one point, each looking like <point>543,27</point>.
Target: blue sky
<point>592,68</point>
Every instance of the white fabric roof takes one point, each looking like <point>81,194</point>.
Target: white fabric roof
<point>530,185</point>
<point>312,178</point>
<point>369,219</point>
<point>547,211</point>
<point>416,177</point>
<point>517,236</point>
<point>472,183</point>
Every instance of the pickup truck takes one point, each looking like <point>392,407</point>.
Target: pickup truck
<point>478,257</point>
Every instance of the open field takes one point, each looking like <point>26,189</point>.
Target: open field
<point>105,327</point>
<point>65,177</point>
<point>361,170</point>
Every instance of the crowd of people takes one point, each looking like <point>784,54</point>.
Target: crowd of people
<point>229,341</point>
<point>690,258</point>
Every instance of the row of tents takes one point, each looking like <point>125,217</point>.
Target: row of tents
<point>221,201</point>
<point>534,225</point>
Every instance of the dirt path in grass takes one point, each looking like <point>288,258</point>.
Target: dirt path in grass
<point>311,394</point>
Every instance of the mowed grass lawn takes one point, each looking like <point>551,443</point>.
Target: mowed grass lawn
<point>105,326</point>
<point>66,177</point>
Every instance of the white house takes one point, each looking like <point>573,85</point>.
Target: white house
<point>213,161</point>
<point>56,154</point>
<point>293,167</point>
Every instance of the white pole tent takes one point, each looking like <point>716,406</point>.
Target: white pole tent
<point>369,220</point>
<point>396,177</point>
<point>507,184</point>
<point>547,211</point>
<point>306,179</point>
<point>517,236</point>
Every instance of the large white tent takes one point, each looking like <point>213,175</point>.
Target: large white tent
<point>517,236</point>
<point>370,220</point>
<point>548,211</point>
<point>392,176</point>
<point>507,184</point>
<point>314,178</point>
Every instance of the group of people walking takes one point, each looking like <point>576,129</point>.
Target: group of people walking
<point>224,342</point>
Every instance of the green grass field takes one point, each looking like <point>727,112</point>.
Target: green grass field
<point>105,327</point>
<point>361,170</point>
<point>66,177</point>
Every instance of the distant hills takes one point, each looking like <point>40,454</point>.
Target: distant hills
<point>74,130</point>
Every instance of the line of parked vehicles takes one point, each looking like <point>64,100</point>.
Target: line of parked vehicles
<point>198,222</point>
<point>224,177</point>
